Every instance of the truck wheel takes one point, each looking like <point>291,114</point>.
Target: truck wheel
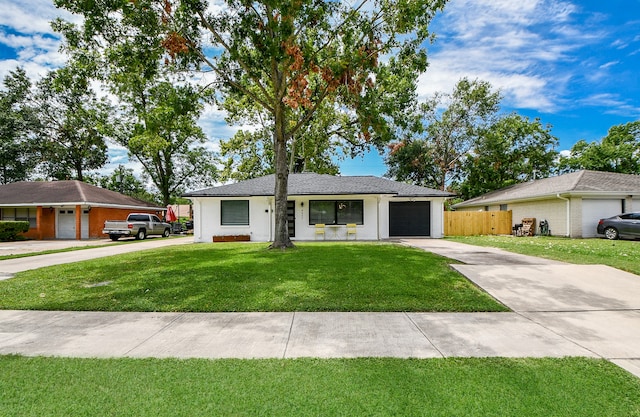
<point>114,237</point>
<point>141,235</point>
<point>166,233</point>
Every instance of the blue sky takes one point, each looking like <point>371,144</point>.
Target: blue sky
<point>573,64</point>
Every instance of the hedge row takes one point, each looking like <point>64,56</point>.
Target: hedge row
<point>11,230</point>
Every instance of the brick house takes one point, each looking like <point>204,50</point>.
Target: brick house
<point>66,209</point>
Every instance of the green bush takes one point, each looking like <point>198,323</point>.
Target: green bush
<point>11,230</point>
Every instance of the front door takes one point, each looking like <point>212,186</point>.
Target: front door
<point>291,218</point>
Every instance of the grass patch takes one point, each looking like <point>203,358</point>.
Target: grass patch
<point>247,277</point>
<point>313,387</point>
<point>621,254</point>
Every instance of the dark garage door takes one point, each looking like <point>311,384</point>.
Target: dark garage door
<point>411,218</point>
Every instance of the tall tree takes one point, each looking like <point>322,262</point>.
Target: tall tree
<point>74,124</point>
<point>619,151</point>
<point>122,42</point>
<point>513,150</point>
<point>449,126</point>
<point>290,55</point>
<point>167,140</point>
<point>18,154</point>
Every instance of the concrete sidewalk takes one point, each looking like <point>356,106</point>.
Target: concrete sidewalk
<point>559,310</point>
<point>279,335</point>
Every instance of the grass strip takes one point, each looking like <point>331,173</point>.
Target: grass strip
<point>621,254</point>
<point>312,387</point>
<point>230,277</point>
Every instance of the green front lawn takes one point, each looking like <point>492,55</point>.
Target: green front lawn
<point>248,277</point>
<point>621,254</point>
<point>311,387</point>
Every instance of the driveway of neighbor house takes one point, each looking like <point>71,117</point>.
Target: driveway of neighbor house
<point>559,310</point>
<point>9,267</point>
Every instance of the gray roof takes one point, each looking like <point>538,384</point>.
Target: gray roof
<point>320,184</point>
<point>576,183</point>
<point>35,193</point>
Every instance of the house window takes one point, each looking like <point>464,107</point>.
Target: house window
<point>336,211</point>
<point>503,207</point>
<point>234,212</point>
<point>20,215</point>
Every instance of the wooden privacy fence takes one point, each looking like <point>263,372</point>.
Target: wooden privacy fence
<point>470,223</point>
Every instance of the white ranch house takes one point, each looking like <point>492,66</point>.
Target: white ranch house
<point>380,208</point>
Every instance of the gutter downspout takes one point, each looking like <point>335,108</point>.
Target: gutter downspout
<point>378,216</point>
<point>568,234</point>
<point>270,220</point>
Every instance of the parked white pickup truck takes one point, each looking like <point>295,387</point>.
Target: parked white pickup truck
<point>139,225</point>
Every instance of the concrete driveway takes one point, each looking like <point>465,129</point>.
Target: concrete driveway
<point>594,306</point>
<point>9,267</point>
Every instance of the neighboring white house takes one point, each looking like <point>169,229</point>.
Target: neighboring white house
<point>571,203</point>
<point>379,207</point>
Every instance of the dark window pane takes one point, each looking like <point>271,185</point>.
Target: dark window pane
<point>350,211</point>
<point>234,212</point>
<point>322,212</point>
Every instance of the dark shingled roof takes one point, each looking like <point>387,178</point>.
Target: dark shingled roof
<point>320,184</point>
<point>580,182</point>
<point>26,193</point>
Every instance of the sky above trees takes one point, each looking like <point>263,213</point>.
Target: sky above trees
<point>572,64</point>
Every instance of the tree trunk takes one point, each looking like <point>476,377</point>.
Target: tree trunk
<point>281,238</point>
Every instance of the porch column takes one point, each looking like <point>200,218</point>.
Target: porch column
<point>39,222</point>
<point>78,222</point>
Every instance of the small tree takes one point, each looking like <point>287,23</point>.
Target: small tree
<point>124,181</point>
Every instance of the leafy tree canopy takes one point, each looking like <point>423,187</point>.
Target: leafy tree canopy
<point>74,124</point>
<point>512,150</point>
<point>619,151</point>
<point>448,126</point>
<point>282,60</point>
<point>18,121</point>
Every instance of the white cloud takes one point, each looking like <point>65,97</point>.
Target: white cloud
<point>519,46</point>
<point>609,64</point>
<point>25,27</point>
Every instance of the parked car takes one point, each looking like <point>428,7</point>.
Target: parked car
<point>139,225</point>
<point>626,225</point>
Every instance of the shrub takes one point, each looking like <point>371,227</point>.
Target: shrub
<point>11,230</point>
